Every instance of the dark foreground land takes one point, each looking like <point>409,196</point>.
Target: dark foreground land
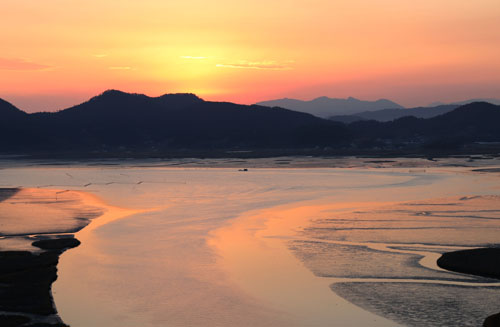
<point>26,279</point>
<point>483,262</point>
<point>28,267</point>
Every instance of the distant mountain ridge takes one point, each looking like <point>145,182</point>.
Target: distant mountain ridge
<point>475,122</point>
<point>464,102</point>
<point>121,104</point>
<point>385,115</point>
<point>9,111</point>
<point>326,107</point>
<point>119,121</point>
<point>129,124</point>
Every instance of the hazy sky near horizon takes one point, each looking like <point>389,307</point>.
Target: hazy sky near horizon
<point>56,53</point>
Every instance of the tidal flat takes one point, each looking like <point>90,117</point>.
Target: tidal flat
<point>289,242</point>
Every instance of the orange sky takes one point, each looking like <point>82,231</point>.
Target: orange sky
<point>56,53</point>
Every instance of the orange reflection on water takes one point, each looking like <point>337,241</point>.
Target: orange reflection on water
<point>45,211</point>
<point>254,252</point>
<point>110,212</point>
<point>49,211</point>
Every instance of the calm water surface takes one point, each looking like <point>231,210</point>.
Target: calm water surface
<point>273,247</point>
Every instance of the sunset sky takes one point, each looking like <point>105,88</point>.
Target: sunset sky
<point>56,53</point>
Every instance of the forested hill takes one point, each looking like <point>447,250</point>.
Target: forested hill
<point>124,123</point>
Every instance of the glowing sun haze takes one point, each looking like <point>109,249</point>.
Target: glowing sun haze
<point>56,53</point>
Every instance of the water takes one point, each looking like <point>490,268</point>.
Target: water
<point>272,247</point>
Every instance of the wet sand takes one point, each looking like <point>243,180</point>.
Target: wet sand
<point>346,246</point>
<point>350,248</point>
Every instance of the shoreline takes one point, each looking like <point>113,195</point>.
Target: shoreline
<point>29,257</point>
<point>26,278</point>
<point>414,151</point>
<point>480,164</point>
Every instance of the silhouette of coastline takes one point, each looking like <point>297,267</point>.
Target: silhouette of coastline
<point>30,249</point>
<point>26,278</point>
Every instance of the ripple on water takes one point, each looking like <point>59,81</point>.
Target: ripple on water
<point>356,261</point>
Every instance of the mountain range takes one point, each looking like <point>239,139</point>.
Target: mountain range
<point>119,123</point>
<point>325,107</point>
<point>464,102</point>
<point>385,115</point>
<point>9,111</point>
<point>351,109</point>
<point>465,126</point>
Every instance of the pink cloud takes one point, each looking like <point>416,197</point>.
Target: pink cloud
<point>20,64</point>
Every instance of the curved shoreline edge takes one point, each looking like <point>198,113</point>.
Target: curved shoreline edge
<point>483,262</point>
<point>29,255</point>
<point>26,280</point>
<point>33,236</point>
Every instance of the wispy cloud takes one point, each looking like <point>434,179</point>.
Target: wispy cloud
<point>263,65</point>
<point>193,57</point>
<point>120,68</point>
<point>100,55</point>
<point>21,64</point>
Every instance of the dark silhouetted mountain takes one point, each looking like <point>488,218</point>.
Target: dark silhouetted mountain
<point>117,103</point>
<point>118,121</point>
<point>127,124</point>
<point>475,122</point>
<point>325,107</point>
<point>11,120</point>
<point>385,115</point>
<point>9,111</point>
<point>461,103</point>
